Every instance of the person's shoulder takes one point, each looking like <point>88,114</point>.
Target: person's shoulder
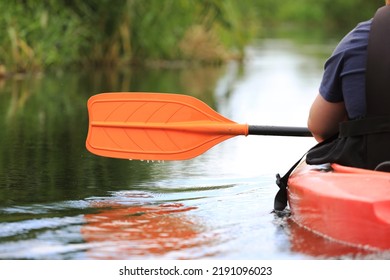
<point>363,26</point>
<point>356,38</point>
<point>361,31</point>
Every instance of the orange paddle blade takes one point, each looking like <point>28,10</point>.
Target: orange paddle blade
<point>155,126</point>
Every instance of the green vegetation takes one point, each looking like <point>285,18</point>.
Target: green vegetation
<point>38,34</point>
<point>104,32</point>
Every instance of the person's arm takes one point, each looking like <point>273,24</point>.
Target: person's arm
<point>324,118</point>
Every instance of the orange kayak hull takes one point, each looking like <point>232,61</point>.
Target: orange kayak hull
<point>349,205</point>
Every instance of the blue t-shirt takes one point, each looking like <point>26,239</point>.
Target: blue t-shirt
<point>344,75</point>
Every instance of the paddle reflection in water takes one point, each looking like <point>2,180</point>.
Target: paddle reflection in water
<point>138,224</point>
<point>140,231</point>
<point>165,221</point>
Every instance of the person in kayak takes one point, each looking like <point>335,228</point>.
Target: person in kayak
<point>350,117</point>
<point>343,99</point>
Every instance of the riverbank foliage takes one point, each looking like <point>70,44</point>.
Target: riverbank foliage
<point>40,34</point>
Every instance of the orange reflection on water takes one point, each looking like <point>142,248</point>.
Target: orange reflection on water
<point>141,231</point>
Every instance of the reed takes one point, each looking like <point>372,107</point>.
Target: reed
<point>38,35</point>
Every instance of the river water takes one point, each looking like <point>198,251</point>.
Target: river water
<point>58,201</point>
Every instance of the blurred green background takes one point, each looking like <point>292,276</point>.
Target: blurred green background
<point>37,35</point>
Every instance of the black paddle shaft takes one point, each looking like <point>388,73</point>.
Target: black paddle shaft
<point>279,131</point>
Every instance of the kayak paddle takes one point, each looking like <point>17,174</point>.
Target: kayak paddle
<point>159,126</point>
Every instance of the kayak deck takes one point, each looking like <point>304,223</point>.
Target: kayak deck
<point>346,204</point>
